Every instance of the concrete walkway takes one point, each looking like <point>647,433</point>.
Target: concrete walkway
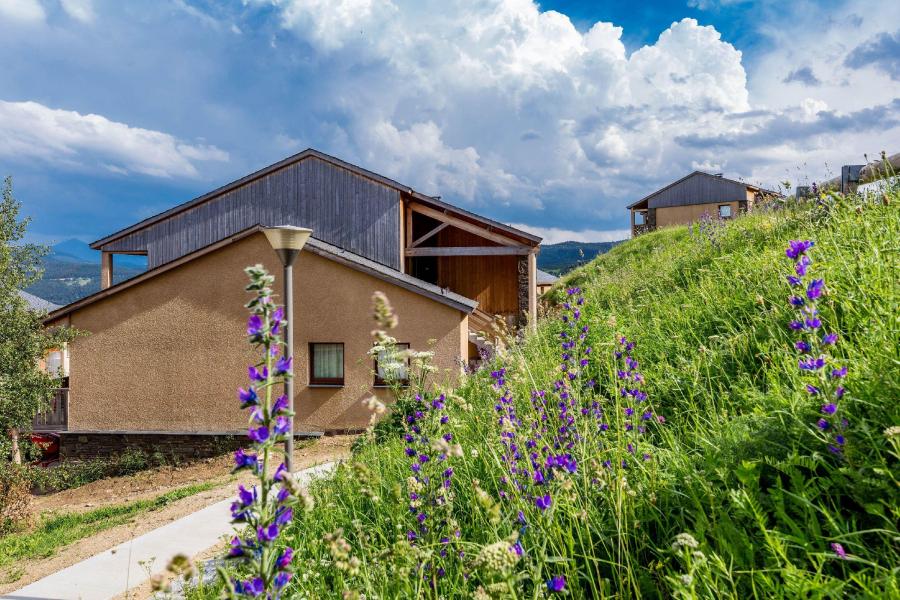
<point>118,569</point>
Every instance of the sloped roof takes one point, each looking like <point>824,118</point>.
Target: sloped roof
<point>36,303</point>
<point>545,278</point>
<point>318,247</point>
<point>708,181</point>
<point>310,152</point>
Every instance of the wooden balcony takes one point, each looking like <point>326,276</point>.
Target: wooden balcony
<point>56,417</point>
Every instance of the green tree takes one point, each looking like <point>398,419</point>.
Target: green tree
<point>25,389</point>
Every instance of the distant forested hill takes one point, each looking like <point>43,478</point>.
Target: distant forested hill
<point>72,271</point>
<point>565,256</point>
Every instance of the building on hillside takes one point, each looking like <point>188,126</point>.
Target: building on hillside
<point>35,303</point>
<point>691,197</point>
<point>866,176</point>
<point>56,362</point>
<point>166,350</point>
<point>545,281</point>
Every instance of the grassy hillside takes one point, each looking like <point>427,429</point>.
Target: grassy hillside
<point>719,485</point>
<point>565,256</point>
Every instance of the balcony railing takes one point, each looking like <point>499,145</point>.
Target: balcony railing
<point>56,417</point>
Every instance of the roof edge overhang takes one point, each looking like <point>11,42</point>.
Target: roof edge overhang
<point>318,247</point>
<point>312,153</point>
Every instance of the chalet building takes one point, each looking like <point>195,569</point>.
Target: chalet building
<point>545,281</point>
<point>691,197</point>
<point>166,350</point>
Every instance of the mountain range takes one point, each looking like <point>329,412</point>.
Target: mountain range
<point>565,256</point>
<point>72,269</point>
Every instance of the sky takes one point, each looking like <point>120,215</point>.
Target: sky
<point>550,116</point>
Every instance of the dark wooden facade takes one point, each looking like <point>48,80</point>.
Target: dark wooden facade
<point>696,188</point>
<point>342,208</point>
<point>356,211</point>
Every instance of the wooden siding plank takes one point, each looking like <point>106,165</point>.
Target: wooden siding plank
<point>470,251</point>
<point>343,209</point>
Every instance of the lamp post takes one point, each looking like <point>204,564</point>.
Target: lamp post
<point>288,241</point>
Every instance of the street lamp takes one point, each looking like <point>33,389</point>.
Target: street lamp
<point>288,241</point>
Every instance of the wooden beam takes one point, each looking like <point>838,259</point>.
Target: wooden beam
<point>106,270</point>
<point>480,231</point>
<point>470,251</point>
<point>431,233</point>
<point>403,240</point>
<point>532,291</point>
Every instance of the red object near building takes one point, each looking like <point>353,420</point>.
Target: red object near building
<point>48,443</point>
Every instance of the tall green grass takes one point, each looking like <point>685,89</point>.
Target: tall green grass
<point>738,464</point>
<point>54,532</point>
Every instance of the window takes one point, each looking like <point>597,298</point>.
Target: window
<point>54,363</point>
<point>639,217</point>
<point>326,364</point>
<point>402,376</point>
<point>724,211</point>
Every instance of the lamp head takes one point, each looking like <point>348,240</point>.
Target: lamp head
<point>287,241</point>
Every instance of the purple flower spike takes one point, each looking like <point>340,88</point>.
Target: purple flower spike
<point>254,325</point>
<point>815,288</point>
<point>259,434</point>
<point>286,557</point>
<point>282,425</point>
<point>257,375</point>
<point>829,409</point>
<point>267,534</point>
<point>283,365</point>
<point>798,247</point>
<point>282,578</point>
<point>243,460</point>
<point>839,550</point>
<point>543,502</point>
<point>556,583</point>
<point>280,404</point>
<point>248,397</point>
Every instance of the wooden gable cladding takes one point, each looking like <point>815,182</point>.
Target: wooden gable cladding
<point>489,279</point>
<point>343,208</point>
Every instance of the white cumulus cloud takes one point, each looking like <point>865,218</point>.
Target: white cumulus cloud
<point>29,11</point>
<point>80,10</point>
<point>32,130</point>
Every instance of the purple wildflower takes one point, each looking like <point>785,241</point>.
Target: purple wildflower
<point>256,374</point>
<point>556,583</point>
<point>254,325</point>
<point>248,397</point>
<point>259,434</point>
<point>839,550</point>
<point>267,534</point>
<point>283,365</point>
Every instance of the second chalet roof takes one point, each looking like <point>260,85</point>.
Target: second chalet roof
<point>697,187</point>
<point>38,304</point>
<point>523,236</point>
<point>545,278</point>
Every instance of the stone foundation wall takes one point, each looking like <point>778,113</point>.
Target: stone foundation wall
<point>85,445</point>
<point>522,290</point>
<point>182,446</point>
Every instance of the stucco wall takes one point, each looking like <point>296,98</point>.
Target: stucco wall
<point>168,353</point>
<point>679,215</point>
